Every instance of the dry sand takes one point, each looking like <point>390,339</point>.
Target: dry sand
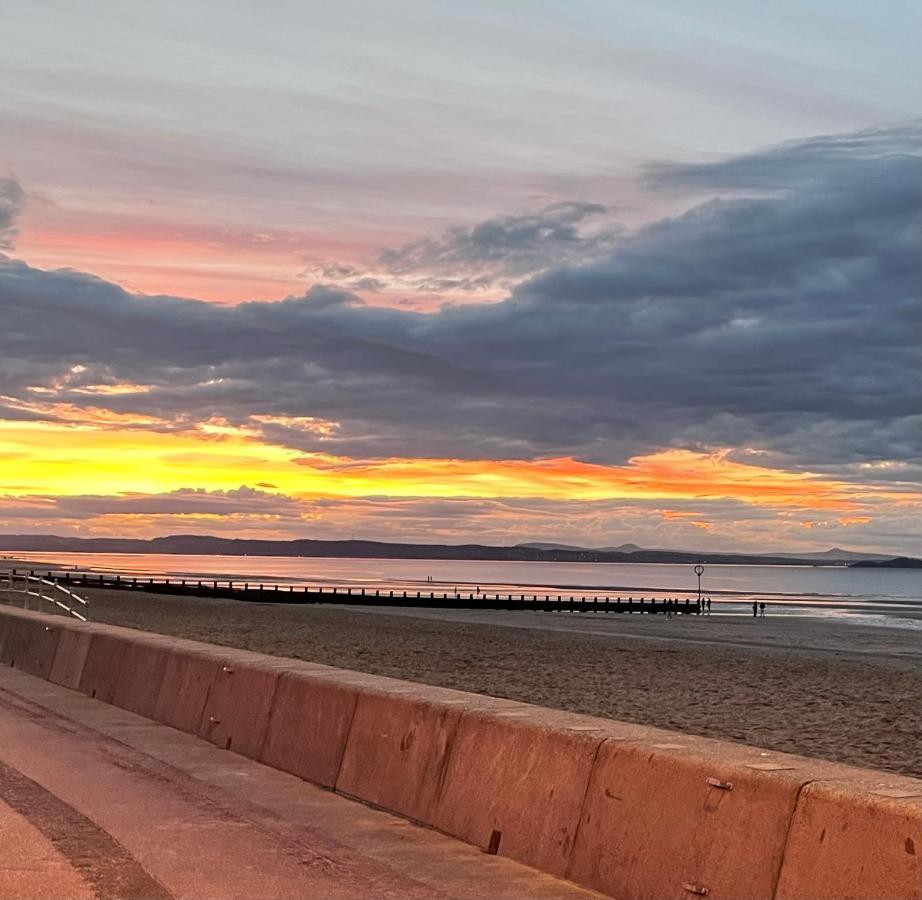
<point>817,687</point>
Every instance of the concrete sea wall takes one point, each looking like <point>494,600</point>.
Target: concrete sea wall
<point>630,811</point>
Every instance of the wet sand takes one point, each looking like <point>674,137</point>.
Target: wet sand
<point>813,686</point>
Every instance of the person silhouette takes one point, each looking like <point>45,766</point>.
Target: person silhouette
<point>755,609</point>
<point>762,610</point>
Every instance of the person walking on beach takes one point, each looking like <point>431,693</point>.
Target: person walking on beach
<point>762,610</point>
<point>755,609</point>
<point>709,605</point>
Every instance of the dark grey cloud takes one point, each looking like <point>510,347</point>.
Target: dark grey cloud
<point>788,322</point>
<point>505,246</point>
<point>11,200</point>
<point>829,157</point>
<point>242,501</point>
<point>492,255</point>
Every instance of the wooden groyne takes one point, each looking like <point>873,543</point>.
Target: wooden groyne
<point>260,592</point>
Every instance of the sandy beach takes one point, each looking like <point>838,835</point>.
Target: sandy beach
<point>818,687</point>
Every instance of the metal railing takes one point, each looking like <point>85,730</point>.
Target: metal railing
<point>43,591</point>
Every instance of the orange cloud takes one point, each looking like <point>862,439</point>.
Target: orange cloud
<point>854,520</point>
<point>669,474</point>
<point>101,452</point>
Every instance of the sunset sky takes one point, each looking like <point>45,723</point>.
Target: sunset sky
<point>489,271</point>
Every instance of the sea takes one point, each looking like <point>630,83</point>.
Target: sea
<point>891,597</point>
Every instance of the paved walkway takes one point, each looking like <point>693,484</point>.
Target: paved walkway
<point>98,802</point>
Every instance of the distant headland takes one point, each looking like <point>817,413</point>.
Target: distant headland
<point>898,562</point>
<point>189,544</point>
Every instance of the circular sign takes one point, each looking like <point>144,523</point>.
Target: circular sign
<point>699,570</point>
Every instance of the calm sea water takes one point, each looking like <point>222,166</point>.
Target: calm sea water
<point>799,589</point>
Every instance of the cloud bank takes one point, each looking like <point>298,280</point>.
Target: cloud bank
<point>11,200</point>
<point>786,322</point>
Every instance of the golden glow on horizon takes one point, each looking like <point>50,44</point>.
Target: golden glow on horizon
<point>106,455</point>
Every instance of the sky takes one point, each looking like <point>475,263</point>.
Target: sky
<point>581,272</point>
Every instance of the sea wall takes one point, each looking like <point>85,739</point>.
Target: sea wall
<point>631,811</point>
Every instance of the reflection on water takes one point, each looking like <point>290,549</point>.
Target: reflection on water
<point>889,595</point>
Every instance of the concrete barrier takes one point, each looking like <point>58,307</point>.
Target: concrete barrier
<point>236,712</point>
<point>630,811</point>
<point>187,679</point>
<point>16,638</point>
<point>7,620</point>
<point>310,721</point>
<point>396,754</point>
<point>142,670</point>
<point>854,838</point>
<point>680,814</point>
<point>28,642</point>
<point>70,656</point>
<point>102,668</point>
<point>41,645</point>
<point>517,779</point>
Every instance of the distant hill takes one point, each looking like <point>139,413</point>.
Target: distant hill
<point>218,546</point>
<point>834,555</point>
<point>623,548</point>
<point>898,562</point>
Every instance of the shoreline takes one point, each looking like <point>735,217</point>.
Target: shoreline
<point>908,608</point>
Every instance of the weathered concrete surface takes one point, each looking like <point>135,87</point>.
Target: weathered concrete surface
<point>854,838</point>
<point>195,821</point>
<point>397,751</point>
<point>311,717</point>
<point>70,657</point>
<point>141,672</point>
<point>102,667</point>
<point>186,682</point>
<point>517,779</point>
<point>237,708</point>
<point>685,813</point>
<point>36,656</point>
<point>17,633</point>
